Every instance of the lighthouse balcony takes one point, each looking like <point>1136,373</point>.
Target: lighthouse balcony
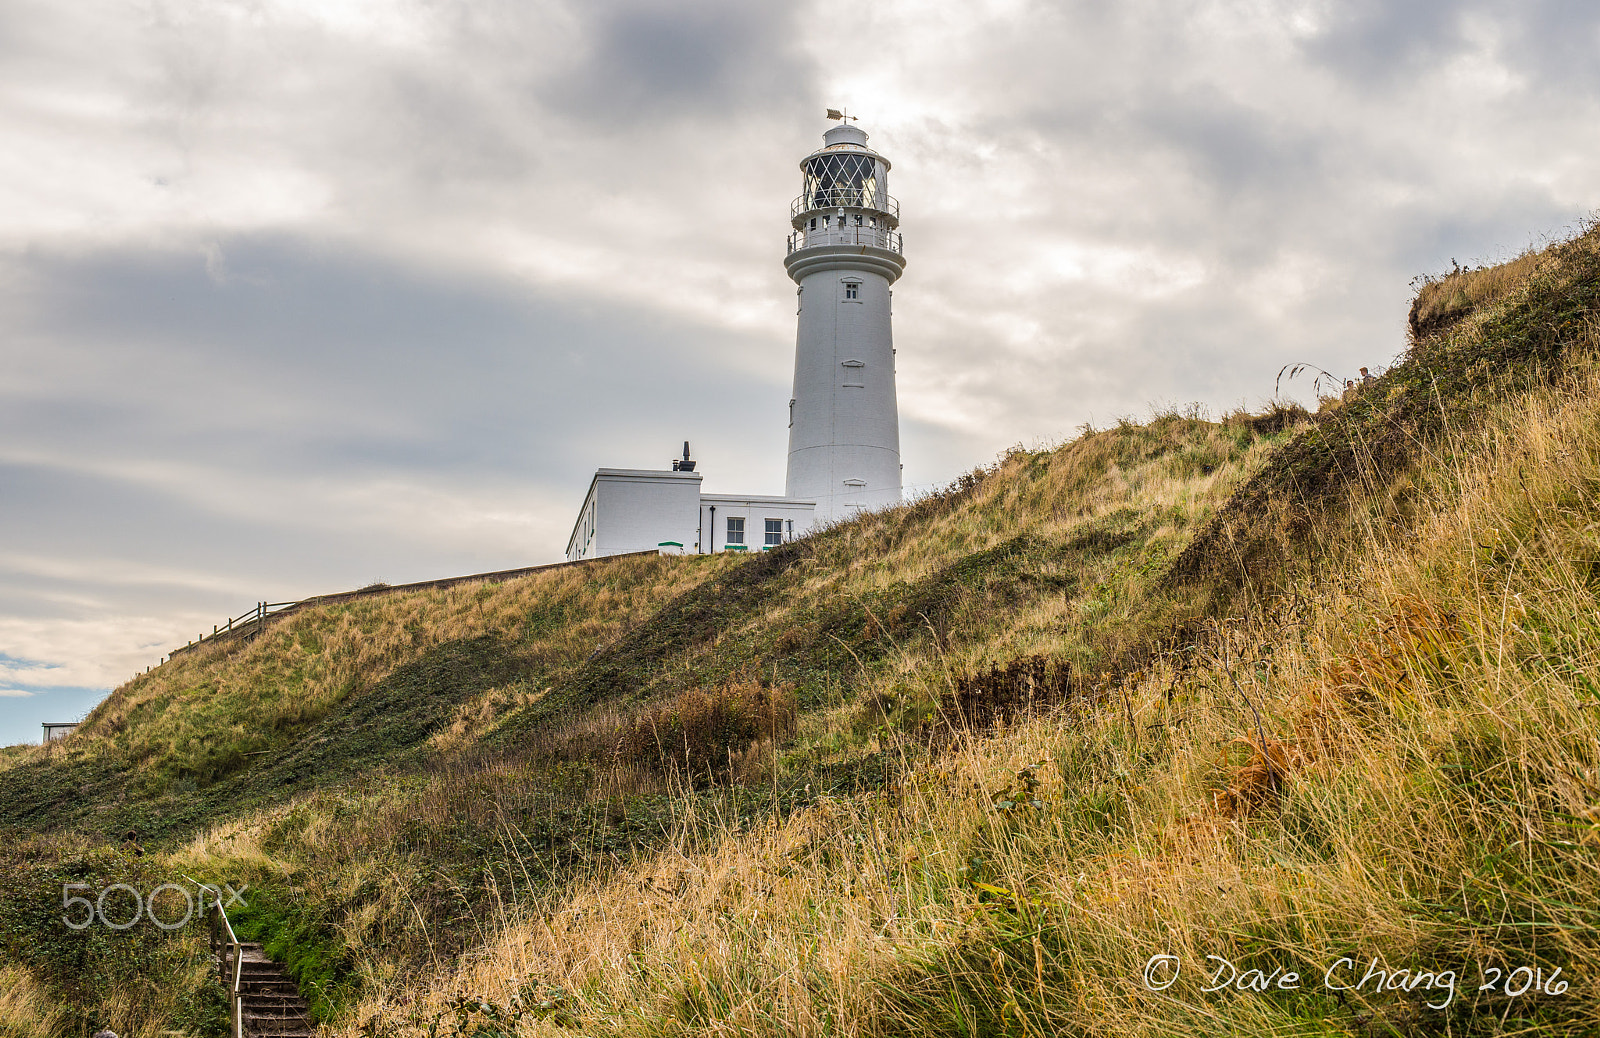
<point>863,196</point>
<point>877,237</point>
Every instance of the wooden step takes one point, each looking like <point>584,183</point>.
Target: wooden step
<point>246,979</point>
<point>256,1007</point>
<point>280,985</point>
<point>254,967</point>
<point>257,1021</point>
<point>276,1025</point>
<point>261,1029</point>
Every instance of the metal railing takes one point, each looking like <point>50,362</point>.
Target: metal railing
<point>877,237</point>
<point>845,198</point>
<point>229,950</point>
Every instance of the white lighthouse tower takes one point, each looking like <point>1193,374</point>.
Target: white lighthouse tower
<point>845,252</point>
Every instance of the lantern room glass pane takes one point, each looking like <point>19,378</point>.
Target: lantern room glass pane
<point>845,180</point>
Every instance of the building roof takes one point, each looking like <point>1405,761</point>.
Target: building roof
<point>754,499</point>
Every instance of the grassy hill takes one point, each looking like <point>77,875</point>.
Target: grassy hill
<point>1296,691</point>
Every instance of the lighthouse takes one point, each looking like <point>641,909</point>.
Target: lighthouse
<point>844,254</point>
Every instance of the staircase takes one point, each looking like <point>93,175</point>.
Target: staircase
<point>270,1003</point>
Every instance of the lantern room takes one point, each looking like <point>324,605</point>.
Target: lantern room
<point>845,195</point>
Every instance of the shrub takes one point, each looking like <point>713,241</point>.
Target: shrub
<point>705,729</point>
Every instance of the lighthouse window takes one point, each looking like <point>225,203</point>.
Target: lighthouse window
<point>735,529</point>
<point>852,290</point>
<point>844,179</point>
<point>813,223</point>
<point>858,220</point>
<point>774,531</point>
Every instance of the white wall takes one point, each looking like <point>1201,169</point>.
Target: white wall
<point>797,518</point>
<point>844,444</point>
<point>636,510</point>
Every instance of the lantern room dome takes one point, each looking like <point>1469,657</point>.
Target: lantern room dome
<point>845,135</point>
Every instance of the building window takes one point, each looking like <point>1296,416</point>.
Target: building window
<point>852,290</point>
<point>774,531</point>
<point>735,529</point>
<point>858,220</point>
<point>813,223</point>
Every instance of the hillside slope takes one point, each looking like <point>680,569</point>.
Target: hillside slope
<point>961,767</point>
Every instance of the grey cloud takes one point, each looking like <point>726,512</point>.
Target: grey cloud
<point>304,355</point>
<point>1555,42</point>
<point>1242,154</point>
<point>685,62</point>
<point>1379,46</point>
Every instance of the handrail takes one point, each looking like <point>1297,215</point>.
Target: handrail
<point>847,198</point>
<point>877,237</point>
<point>236,948</point>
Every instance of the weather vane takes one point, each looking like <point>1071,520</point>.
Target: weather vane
<point>834,113</point>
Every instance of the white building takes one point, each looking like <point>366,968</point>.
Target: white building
<point>844,426</point>
<point>629,510</point>
<point>638,510</point>
<point>845,252</point>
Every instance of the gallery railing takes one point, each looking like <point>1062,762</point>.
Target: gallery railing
<point>877,237</point>
<point>845,198</point>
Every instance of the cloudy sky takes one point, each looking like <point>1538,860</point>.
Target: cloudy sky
<point>296,295</point>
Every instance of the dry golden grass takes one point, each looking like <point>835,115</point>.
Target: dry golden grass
<point>1440,302</point>
<point>1430,732</point>
<point>26,1009</point>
